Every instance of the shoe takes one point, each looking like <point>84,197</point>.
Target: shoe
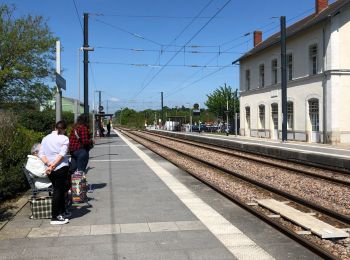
<point>59,220</point>
<point>67,214</point>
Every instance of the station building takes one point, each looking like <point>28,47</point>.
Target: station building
<point>318,74</point>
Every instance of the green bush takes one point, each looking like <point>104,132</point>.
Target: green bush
<point>39,121</point>
<point>13,157</point>
<point>18,133</point>
<point>43,121</point>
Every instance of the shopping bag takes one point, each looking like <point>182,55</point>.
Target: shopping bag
<point>79,187</point>
<point>41,207</point>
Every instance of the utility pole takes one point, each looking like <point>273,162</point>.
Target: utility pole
<point>284,78</point>
<point>86,64</point>
<point>59,91</point>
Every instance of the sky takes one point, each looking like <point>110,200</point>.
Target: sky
<point>183,48</point>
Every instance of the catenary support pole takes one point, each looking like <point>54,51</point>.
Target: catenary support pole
<point>86,64</point>
<point>227,129</point>
<point>234,110</point>
<point>93,117</point>
<point>59,91</point>
<point>284,78</point>
<point>162,104</point>
<point>78,107</point>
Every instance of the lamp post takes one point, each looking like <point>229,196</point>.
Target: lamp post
<point>79,50</point>
<point>93,116</point>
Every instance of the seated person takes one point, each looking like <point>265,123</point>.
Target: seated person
<point>38,168</point>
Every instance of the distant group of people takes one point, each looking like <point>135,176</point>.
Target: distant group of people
<point>49,162</point>
<point>100,127</point>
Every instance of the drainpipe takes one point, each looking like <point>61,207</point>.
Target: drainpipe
<point>324,89</point>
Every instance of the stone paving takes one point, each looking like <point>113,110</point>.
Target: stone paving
<point>133,215</point>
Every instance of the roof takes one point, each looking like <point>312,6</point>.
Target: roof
<point>72,100</point>
<point>297,27</point>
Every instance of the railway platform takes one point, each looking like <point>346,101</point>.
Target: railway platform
<point>330,156</point>
<point>143,207</point>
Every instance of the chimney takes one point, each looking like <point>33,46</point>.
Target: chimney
<point>257,37</point>
<point>320,5</point>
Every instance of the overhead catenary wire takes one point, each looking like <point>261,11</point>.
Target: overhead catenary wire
<point>151,16</point>
<point>212,73</point>
<point>155,65</point>
<point>176,37</point>
<point>200,79</point>
<point>194,74</point>
<point>220,69</point>
<point>76,10</point>
<point>128,32</point>
<point>164,50</point>
<point>167,63</point>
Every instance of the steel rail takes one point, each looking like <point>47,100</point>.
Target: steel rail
<point>224,145</point>
<point>260,160</point>
<point>335,215</point>
<point>298,238</point>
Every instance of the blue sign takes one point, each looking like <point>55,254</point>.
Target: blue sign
<point>60,81</point>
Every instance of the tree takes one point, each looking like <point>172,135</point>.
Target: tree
<point>27,51</point>
<point>217,101</point>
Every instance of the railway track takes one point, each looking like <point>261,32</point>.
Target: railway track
<point>326,213</point>
<point>247,176</point>
<point>333,176</point>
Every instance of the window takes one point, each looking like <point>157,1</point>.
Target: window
<point>261,76</point>
<point>247,79</point>
<point>313,59</point>
<point>262,116</point>
<point>274,71</point>
<point>290,66</point>
<point>290,115</point>
<point>314,114</point>
<point>247,116</point>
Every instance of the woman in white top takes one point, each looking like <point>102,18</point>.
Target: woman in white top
<point>53,152</point>
<point>38,168</point>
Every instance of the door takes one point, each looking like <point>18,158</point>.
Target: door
<point>247,116</point>
<point>274,115</point>
<point>314,120</point>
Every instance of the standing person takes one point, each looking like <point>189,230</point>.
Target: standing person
<point>109,127</point>
<point>53,152</point>
<point>102,130</point>
<point>79,142</point>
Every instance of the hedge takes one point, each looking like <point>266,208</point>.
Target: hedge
<point>43,121</point>
<point>18,133</point>
<point>13,157</point>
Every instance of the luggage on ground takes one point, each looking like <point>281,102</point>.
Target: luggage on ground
<point>79,187</point>
<point>41,207</point>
